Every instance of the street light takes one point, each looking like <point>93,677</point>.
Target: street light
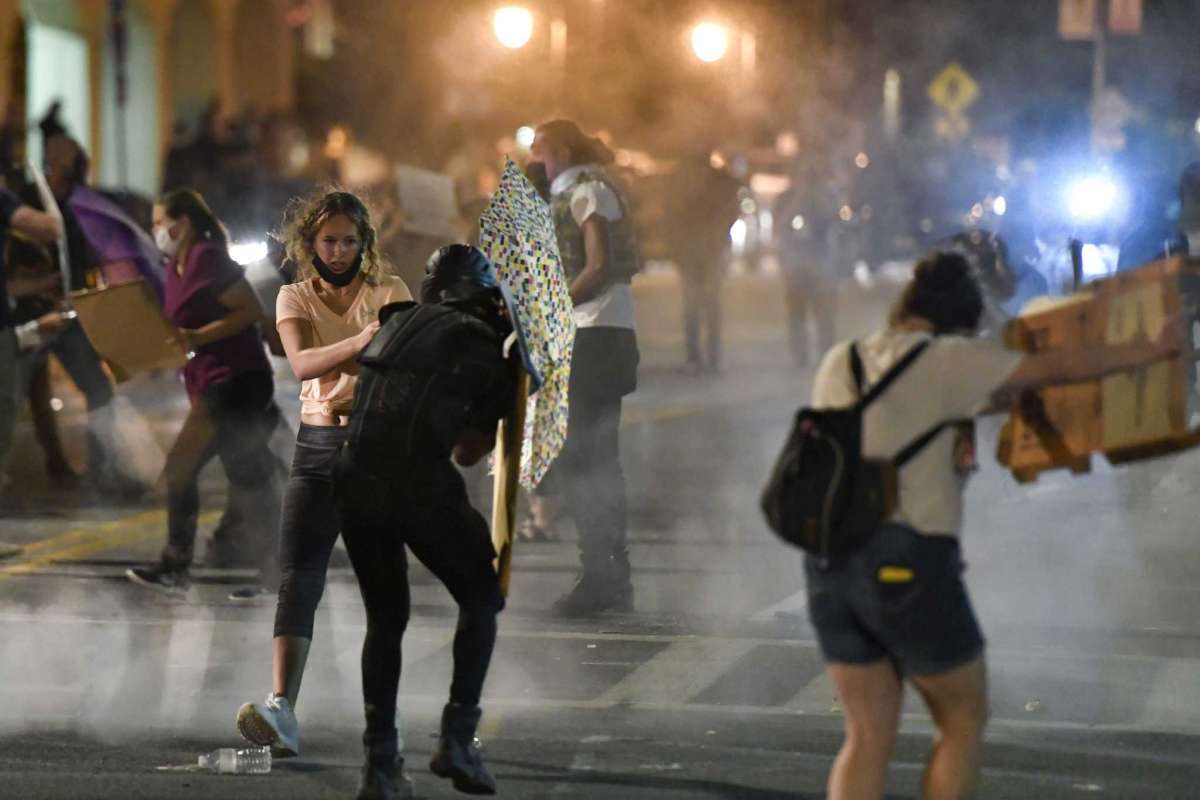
<point>709,42</point>
<point>513,26</point>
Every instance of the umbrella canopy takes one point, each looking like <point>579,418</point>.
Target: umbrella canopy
<point>517,234</point>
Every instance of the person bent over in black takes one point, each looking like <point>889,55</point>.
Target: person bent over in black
<point>433,384</point>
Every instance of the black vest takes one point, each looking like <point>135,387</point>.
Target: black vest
<point>416,382</point>
<point>622,259</point>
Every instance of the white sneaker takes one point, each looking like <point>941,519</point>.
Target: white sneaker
<point>271,724</point>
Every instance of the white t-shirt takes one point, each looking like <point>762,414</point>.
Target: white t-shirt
<point>612,308</point>
<point>952,379</point>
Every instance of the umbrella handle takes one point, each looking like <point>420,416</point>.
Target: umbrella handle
<point>510,436</point>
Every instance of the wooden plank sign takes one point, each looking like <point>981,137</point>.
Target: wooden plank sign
<point>1132,415</point>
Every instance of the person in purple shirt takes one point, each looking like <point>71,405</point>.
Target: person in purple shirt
<point>229,384</point>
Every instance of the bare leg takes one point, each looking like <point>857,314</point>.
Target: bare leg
<point>872,695</point>
<point>289,659</point>
<point>958,702</point>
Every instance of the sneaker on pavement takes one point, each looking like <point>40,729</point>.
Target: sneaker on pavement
<point>172,581</point>
<point>250,594</point>
<point>271,723</point>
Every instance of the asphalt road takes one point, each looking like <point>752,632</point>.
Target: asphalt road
<point>713,688</point>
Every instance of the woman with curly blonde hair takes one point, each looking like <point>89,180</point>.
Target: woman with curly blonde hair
<point>324,319</point>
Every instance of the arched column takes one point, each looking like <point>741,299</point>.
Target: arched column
<point>10,18</point>
<point>94,14</point>
<point>161,14</point>
<point>225,16</point>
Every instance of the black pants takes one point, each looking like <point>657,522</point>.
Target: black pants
<point>424,506</point>
<point>308,529</point>
<point>230,421</point>
<point>588,471</point>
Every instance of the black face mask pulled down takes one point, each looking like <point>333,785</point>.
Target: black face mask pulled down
<point>337,278</point>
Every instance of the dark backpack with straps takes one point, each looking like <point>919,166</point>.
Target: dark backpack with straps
<point>823,496</point>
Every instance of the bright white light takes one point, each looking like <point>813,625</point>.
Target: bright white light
<point>737,234</point>
<point>1091,199</point>
<point>56,404</point>
<point>862,161</point>
<point>846,213</point>
<point>798,223</point>
<point>709,42</point>
<point>244,253</point>
<point>1000,206</point>
<point>513,26</point>
<point>525,136</point>
<point>1099,260</point>
<point>1197,124</point>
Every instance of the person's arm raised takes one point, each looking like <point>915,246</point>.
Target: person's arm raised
<point>1065,365</point>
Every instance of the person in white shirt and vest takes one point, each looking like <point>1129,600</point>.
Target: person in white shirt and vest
<point>599,251</point>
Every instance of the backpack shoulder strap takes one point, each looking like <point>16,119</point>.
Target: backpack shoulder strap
<point>891,375</point>
<point>856,369</point>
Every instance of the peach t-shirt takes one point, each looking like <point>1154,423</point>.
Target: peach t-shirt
<point>333,392</point>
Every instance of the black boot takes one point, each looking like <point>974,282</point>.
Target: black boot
<point>604,585</point>
<point>457,756</point>
<point>383,776</point>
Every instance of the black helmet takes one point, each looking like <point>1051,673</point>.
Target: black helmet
<point>457,272</point>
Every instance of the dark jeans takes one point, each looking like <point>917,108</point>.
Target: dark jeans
<point>230,421</point>
<point>702,314</point>
<point>425,506</point>
<point>309,527</point>
<point>588,471</point>
<point>83,365</point>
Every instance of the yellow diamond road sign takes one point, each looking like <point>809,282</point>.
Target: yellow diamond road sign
<point>953,89</point>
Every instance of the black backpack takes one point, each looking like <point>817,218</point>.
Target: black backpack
<point>823,496</point>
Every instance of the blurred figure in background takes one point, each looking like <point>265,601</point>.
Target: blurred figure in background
<point>42,227</point>
<point>808,256</point>
<point>705,207</point>
<point>229,384</point>
<point>1158,236</point>
<point>110,470</point>
<point>599,251</point>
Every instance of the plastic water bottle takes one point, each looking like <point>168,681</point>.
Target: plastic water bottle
<point>230,761</point>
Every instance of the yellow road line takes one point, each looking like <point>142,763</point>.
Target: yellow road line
<point>83,542</point>
<point>76,535</point>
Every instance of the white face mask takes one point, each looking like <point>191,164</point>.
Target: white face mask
<point>163,239</point>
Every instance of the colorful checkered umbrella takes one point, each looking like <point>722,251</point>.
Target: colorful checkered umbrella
<point>517,234</point>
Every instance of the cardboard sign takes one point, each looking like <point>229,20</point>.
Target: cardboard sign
<point>127,327</point>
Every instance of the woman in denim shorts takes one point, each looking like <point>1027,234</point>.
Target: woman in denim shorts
<point>898,609</point>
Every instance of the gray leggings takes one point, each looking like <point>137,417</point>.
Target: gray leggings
<point>308,529</point>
